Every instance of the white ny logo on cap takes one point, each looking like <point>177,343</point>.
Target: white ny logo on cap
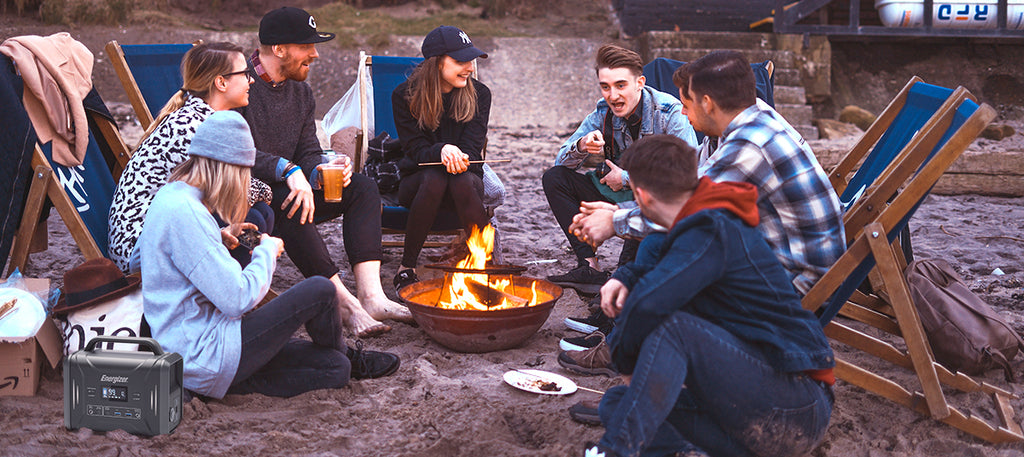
<point>465,38</point>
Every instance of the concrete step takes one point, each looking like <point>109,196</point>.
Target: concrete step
<point>782,59</point>
<point>796,114</point>
<point>790,95</point>
<point>809,132</point>
<point>787,77</point>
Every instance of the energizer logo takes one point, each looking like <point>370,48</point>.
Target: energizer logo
<point>106,378</point>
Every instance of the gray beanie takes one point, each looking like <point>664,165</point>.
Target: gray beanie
<point>224,137</point>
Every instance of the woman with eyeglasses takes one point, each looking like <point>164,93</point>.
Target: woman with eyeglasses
<point>216,78</point>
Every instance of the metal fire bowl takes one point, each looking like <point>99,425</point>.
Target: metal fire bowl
<point>478,331</point>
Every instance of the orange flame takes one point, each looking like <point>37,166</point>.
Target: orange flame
<point>458,293</point>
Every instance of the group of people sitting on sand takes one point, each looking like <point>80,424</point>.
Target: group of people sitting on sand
<point>702,316</point>
<point>236,149</point>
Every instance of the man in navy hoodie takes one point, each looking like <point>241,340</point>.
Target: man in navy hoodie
<point>717,353</point>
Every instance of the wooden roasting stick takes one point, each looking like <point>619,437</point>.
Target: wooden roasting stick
<point>471,162</point>
<point>7,308</point>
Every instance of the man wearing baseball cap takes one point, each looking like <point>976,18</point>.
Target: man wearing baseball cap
<point>280,114</point>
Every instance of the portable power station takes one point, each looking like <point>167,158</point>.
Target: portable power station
<point>138,392</point>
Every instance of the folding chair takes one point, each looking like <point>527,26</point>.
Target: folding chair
<point>150,74</point>
<point>386,73</point>
<point>658,73</point>
<point>81,194</point>
<point>916,169</point>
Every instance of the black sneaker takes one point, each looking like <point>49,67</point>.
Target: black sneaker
<point>404,278</point>
<point>371,364</point>
<point>592,449</point>
<point>581,343</point>
<point>585,412</point>
<point>583,278</point>
<point>596,321</point>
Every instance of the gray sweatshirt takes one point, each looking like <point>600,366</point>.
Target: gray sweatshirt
<point>194,293</point>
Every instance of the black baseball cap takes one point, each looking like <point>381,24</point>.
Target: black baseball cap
<point>452,41</point>
<point>288,25</point>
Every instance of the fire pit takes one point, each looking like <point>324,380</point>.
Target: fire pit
<point>477,307</point>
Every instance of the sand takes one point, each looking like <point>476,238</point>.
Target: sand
<point>444,403</point>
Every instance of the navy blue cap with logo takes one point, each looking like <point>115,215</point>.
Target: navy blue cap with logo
<point>288,25</point>
<point>451,41</point>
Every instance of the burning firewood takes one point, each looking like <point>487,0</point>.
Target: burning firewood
<point>494,296</point>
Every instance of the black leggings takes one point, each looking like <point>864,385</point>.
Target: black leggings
<point>424,193</point>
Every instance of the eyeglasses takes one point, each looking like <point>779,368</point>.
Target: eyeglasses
<point>245,72</point>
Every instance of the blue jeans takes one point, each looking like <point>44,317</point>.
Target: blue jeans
<point>698,387</point>
<point>273,363</point>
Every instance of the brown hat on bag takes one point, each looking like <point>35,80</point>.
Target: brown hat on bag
<point>92,283</point>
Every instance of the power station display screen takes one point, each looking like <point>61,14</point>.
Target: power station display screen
<point>115,393</point>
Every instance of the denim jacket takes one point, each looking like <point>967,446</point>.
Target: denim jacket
<point>662,113</point>
<point>714,266</point>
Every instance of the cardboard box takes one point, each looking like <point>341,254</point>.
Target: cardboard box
<point>20,363</point>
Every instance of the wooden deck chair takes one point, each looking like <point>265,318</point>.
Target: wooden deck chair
<point>658,74</point>
<point>915,169</point>
<point>386,73</point>
<point>150,74</point>
<point>82,195</point>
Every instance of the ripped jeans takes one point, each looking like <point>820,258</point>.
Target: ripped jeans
<point>697,387</point>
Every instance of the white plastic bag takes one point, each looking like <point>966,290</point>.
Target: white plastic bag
<point>345,112</point>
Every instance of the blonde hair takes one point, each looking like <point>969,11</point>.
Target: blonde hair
<point>425,101</point>
<point>224,188</point>
<point>199,68</point>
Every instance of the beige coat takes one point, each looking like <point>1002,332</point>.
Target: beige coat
<point>57,71</point>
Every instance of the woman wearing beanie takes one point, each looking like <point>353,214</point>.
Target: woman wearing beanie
<point>216,78</point>
<point>441,116</point>
<point>201,303</point>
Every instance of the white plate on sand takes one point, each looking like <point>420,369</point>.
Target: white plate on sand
<point>540,382</point>
<point>22,323</point>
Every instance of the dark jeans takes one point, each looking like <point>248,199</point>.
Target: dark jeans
<point>565,190</point>
<point>424,193</point>
<point>698,387</point>
<point>360,228</point>
<point>273,363</point>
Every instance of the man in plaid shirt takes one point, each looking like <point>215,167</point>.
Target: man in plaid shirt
<point>800,215</point>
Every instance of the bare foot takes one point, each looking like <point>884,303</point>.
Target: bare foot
<point>359,322</point>
<point>380,307</point>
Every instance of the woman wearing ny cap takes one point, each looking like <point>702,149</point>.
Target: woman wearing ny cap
<point>201,303</point>
<point>441,116</point>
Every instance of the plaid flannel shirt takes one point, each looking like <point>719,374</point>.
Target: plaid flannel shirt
<point>800,215</point>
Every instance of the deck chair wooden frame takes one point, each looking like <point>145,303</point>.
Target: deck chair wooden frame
<point>131,87</point>
<point>45,185</point>
<point>363,145</point>
<point>896,314</point>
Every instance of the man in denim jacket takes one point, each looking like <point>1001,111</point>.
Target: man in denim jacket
<point>717,354</point>
<point>634,111</point>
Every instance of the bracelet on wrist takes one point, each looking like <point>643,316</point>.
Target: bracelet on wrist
<point>291,170</point>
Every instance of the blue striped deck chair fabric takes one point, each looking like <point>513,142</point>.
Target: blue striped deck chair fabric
<point>916,169</point>
<point>658,73</point>
<point>386,73</point>
<point>150,74</point>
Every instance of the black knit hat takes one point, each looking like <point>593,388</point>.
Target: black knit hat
<point>288,25</point>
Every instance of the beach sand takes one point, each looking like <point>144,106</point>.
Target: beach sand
<point>444,403</point>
